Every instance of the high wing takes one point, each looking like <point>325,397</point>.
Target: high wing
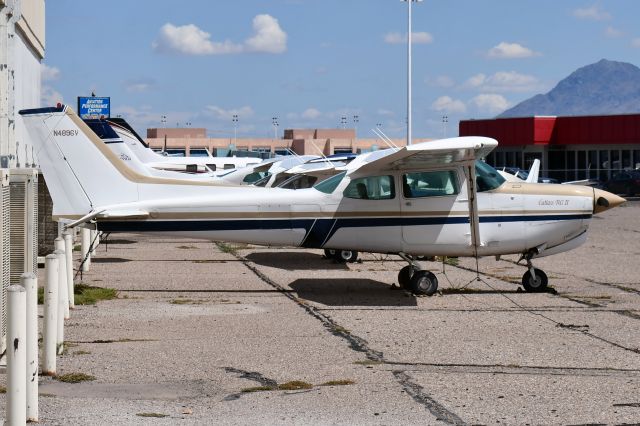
<point>425,154</point>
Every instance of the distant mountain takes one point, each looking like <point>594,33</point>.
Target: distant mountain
<point>606,87</point>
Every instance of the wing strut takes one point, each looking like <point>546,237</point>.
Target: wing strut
<point>474,221</point>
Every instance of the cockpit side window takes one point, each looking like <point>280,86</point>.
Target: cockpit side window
<point>371,188</point>
<point>487,178</point>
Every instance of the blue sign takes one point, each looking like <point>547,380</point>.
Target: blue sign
<point>93,107</point>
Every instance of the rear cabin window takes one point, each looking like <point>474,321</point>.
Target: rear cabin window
<point>430,184</point>
<point>371,188</point>
<point>487,178</point>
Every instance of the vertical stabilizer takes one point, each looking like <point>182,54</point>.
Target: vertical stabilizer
<point>80,170</point>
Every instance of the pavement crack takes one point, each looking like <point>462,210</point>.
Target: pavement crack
<point>359,344</point>
<point>418,394</point>
<point>250,375</point>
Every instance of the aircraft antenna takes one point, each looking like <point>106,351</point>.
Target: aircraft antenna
<point>379,133</point>
<point>322,154</point>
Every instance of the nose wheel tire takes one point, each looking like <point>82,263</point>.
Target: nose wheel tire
<point>537,284</point>
<point>424,283</point>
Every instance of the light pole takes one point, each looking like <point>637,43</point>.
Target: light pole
<point>274,121</point>
<point>343,121</point>
<point>409,135</point>
<point>235,128</point>
<point>356,120</point>
<point>378,125</point>
<point>163,120</point>
<point>445,120</point>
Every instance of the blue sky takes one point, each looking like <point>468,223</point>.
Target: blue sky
<point>311,62</point>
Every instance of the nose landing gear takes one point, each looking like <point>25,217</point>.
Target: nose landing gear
<point>534,280</point>
<point>412,278</point>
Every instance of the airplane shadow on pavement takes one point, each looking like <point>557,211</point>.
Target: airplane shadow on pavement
<point>350,292</point>
<point>292,260</point>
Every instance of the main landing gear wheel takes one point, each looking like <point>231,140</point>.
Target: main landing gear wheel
<point>405,274</point>
<point>424,283</point>
<point>342,256</point>
<point>329,253</point>
<point>537,284</point>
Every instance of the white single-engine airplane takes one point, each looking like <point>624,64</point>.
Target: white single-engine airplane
<point>432,198</point>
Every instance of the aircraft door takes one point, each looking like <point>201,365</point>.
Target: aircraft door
<point>435,212</point>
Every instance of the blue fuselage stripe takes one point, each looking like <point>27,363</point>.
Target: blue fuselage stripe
<point>318,231</point>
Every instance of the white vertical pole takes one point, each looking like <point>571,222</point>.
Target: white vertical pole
<point>62,280</point>
<point>63,288</point>
<point>86,243</point>
<point>94,241</point>
<point>16,356</point>
<point>30,283</point>
<point>409,135</point>
<point>50,316</point>
<point>68,251</point>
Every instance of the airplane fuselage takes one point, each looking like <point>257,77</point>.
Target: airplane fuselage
<point>513,218</point>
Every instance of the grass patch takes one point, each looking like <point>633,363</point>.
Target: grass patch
<point>258,389</point>
<point>295,385</point>
<point>81,352</point>
<point>89,295</point>
<point>85,294</point>
<point>226,248</point>
<point>209,261</point>
<point>3,389</point>
<point>343,382</point>
<point>368,362</point>
<point>77,247</point>
<point>453,261</point>
<point>340,329</point>
<point>187,247</point>
<point>74,378</point>
<point>156,415</point>
<point>186,302</point>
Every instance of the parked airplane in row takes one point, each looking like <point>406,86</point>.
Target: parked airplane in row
<point>428,199</point>
<point>162,162</point>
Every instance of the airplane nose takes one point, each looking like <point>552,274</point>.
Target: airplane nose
<point>603,200</point>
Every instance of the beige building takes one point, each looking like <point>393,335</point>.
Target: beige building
<point>194,141</point>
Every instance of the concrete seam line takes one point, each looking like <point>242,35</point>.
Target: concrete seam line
<point>360,345</point>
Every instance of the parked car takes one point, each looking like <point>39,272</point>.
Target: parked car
<point>625,182</point>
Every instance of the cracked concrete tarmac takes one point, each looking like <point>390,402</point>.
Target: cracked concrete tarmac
<point>203,334</point>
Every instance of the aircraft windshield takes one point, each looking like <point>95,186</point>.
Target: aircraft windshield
<point>487,178</point>
<point>330,184</point>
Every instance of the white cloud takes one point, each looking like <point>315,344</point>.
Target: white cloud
<point>139,85</point>
<point>311,114</point>
<point>188,39</point>
<point>48,73</point>
<point>447,104</point>
<point>490,103</point>
<point>191,40</point>
<point>416,38</point>
<point>612,32</point>
<point>386,113</point>
<point>227,114</point>
<point>49,96</point>
<point>504,81</point>
<point>593,13</point>
<point>144,117</point>
<point>510,51</point>
<point>268,38</point>
<point>635,42</point>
